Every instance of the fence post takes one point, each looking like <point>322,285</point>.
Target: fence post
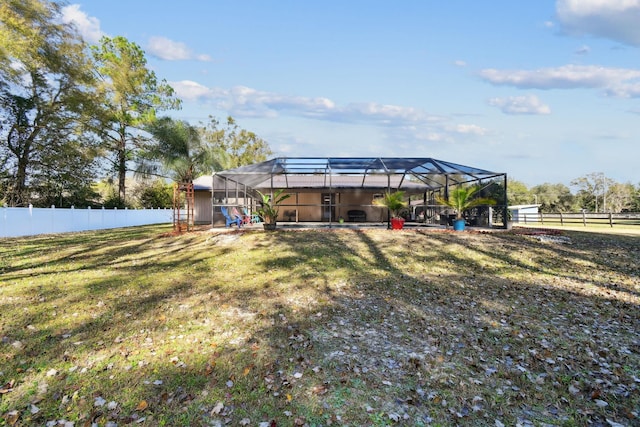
<point>611,219</point>
<point>30,219</point>
<point>53,218</point>
<point>584,218</point>
<point>561,219</point>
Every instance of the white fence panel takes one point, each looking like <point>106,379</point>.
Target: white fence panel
<point>15,222</point>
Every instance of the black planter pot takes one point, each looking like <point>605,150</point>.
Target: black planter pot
<point>269,227</point>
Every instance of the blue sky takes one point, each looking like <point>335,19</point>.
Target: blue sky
<point>544,91</point>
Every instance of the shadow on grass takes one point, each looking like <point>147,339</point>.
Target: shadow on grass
<point>326,327</point>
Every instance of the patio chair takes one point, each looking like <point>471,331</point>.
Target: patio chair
<point>253,218</point>
<point>228,219</point>
<point>245,219</point>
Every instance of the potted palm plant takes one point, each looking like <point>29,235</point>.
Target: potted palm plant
<point>269,209</point>
<point>461,199</point>
<point>395,203</point>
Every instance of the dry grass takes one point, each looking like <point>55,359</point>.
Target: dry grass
<point>319,327</point>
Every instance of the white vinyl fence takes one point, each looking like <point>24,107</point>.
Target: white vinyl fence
<point>15,222</point>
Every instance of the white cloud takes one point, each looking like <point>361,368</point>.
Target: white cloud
<point>520,105</point>
<point>189,90</point>
<point>88,26</point>
<point>169,50</point>
<point>242,101</point>
<point>459,63</point>
<point>470,130</point>
<point>619,82</point>
<point>613,19</point>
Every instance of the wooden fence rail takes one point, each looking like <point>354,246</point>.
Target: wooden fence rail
<point>580,219</point>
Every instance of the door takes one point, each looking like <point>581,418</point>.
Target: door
<point>328,207</point>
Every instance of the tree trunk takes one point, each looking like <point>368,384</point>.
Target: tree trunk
<point>122,167</point>
<point>21,149</point>
<point>20,184</point>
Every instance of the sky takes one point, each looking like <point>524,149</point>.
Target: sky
<point>544,91</point>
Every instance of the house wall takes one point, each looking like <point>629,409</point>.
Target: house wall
<point>202,207</point>
<point>308,205</point>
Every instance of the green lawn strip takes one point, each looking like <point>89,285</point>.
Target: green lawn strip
<point>318,327</point>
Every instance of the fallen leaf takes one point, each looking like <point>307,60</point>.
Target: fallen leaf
<point>319,389</point>
<point>142,405</point>
<point>12,417</point>
<point>217,409</point>
<point>208,369</point>
<point>7,387</point>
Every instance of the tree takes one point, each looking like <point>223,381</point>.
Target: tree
<point>64,176</point>
<point>131,97</point>
<point>154,194</point>
<point>46,85</point>
<point>518,193</point>
<point>620,197</point>
<point>108,193</point>
<point>242,146</point>
<point>554,198</point>
<point>181,152</point>
<point>593,189</point>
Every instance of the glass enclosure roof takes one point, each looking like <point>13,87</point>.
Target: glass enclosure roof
<point>430,173</point>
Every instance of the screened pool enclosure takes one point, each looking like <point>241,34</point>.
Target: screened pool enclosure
<point>339,189</point>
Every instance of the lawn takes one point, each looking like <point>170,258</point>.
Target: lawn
<point>319,327</point>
